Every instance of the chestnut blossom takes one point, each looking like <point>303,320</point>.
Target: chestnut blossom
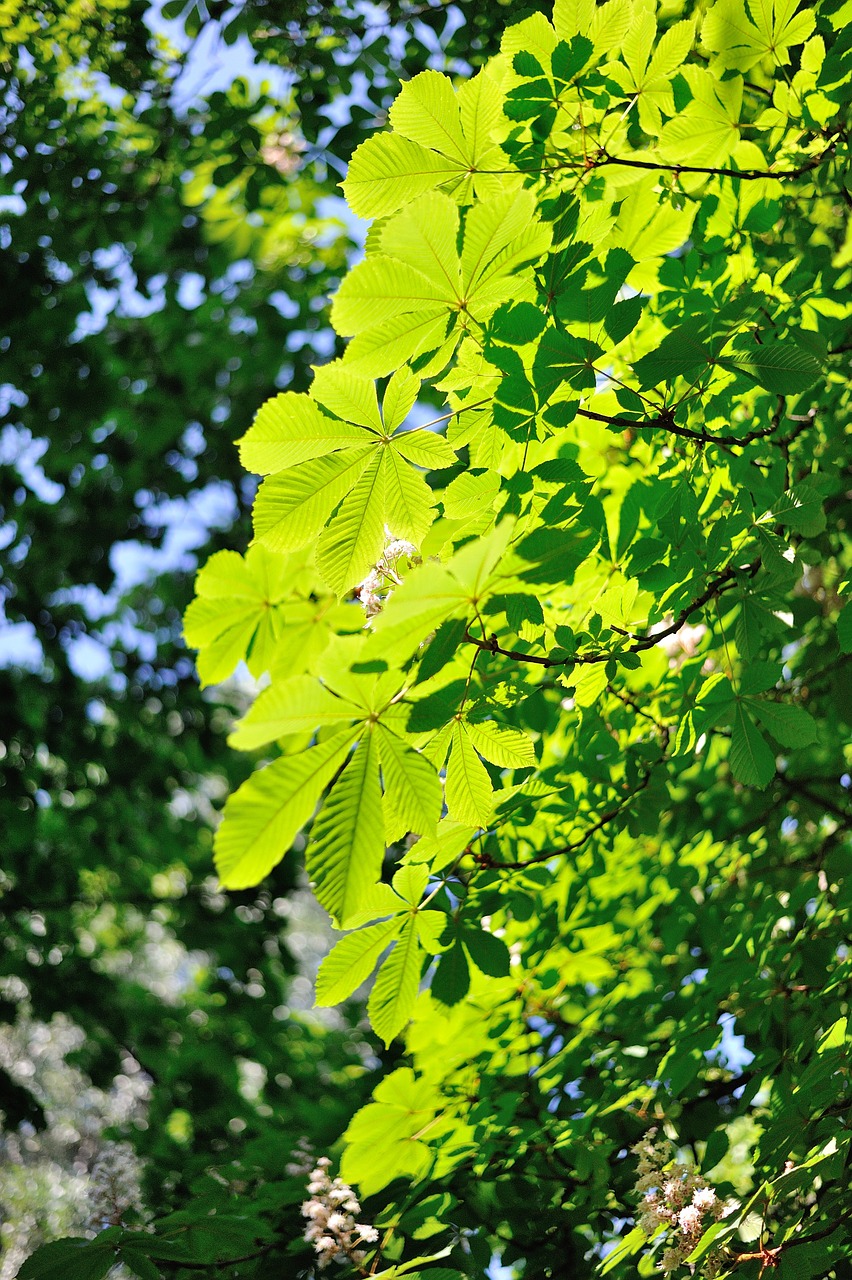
<point>331,1213</point>
<point>676,1198</point>
<point>377,588</point>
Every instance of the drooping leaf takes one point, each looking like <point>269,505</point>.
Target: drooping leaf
<point>752,760</point>
<point>395,989</point>
<point>344,856</point>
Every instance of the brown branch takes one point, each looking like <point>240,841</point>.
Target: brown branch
<point>745,175</point>
<point>717,587</point>
<point>768,1255</point>
<point>666,422</point>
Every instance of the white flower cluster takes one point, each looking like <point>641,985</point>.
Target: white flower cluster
<point>331,1213</point>
<point>378,585</point>
<point>676,1197</point>
<point>114,1188</point>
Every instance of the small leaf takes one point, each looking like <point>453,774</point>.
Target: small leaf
<point>412,796</point>
<point>400,395</point>
<point>451,980</point>
<point>262,818</point>
<point>298,705</point>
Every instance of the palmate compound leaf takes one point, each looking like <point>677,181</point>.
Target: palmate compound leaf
<point>649,77</point>
<point>740,38</point>
<point>363,481</point>
<point>263,816</point>
<point>238,611</point>
<point>440,138</point>
<point>382,1140</point>
<point>409,931</point>
<point>419,290</point>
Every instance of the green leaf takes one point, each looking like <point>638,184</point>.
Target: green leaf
<point>395,990</point>
<point>344,856</point>
<point>429,595</point>
<point>263,816</point>
<point>468,787</point>
<point>408,509</point>
<point>792,726</point>
<point>352,542</point>
<point>626,1247</point>
<point>782,368</point>
<point>451,980</point>
<point>740,39</point>
<point>426,111</point>
<point>298,705</point>
<point>289,429</point>
<point>564,360</point>
<point>412,797</point>
<point>388,170</point>
<point>380,289</point>
<point>752,761</point>
<point>425,449</point>
<point>400,396</point>
<point>70,1259</point>
<point>517,323</point>
<point>431,926</point>
<point>291,508</point>
<point>349,395</point>
<point>801,508</point>
<point>353,959</point>
<point>508,748</point>
<point>682,353</point>
<point>489,954</point>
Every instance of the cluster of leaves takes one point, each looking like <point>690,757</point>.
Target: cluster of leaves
<point>579,786</point>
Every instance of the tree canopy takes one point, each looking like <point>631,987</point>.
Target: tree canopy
<point>546,606</point>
